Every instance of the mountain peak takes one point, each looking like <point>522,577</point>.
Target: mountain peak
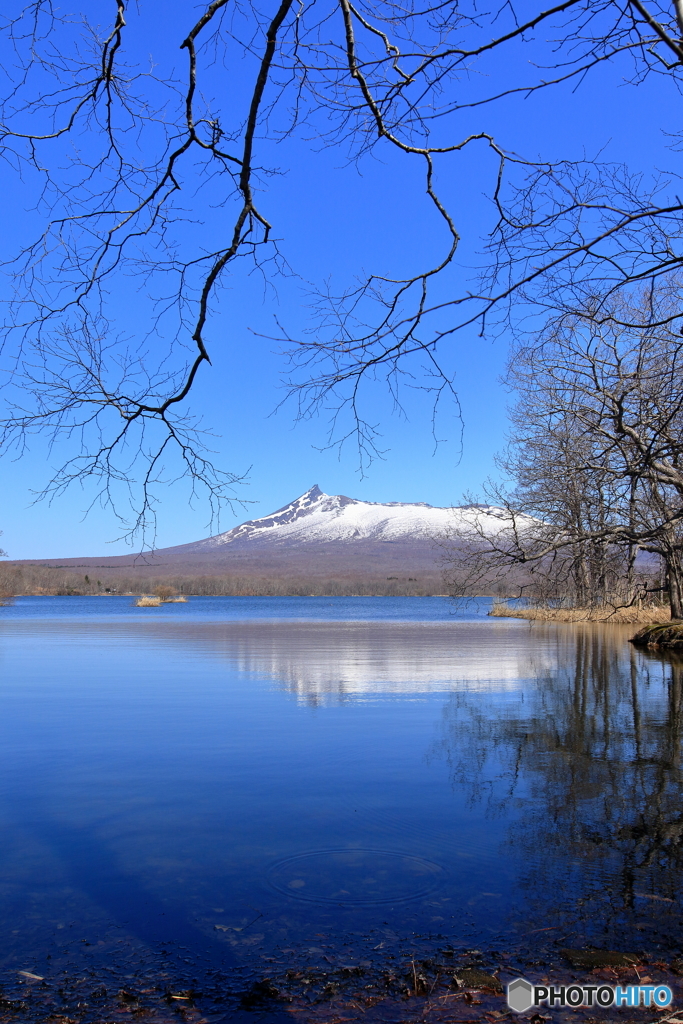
<point>312,493</point>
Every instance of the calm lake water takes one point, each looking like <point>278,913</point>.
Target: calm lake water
<point>255,783</point>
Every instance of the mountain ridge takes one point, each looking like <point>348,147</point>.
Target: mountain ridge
<point>317,517</point>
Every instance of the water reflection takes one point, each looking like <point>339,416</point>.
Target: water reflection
<point>177,767</point>
<point>593,757</point>
<point>322,661</point>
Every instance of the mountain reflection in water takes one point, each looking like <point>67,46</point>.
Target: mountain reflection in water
<point>319,662</point>
<point>261,789</point>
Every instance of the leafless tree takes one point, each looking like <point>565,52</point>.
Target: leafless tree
<point>597,452</point>
<point>116,150</point>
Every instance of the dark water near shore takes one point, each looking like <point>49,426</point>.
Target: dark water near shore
<point>258,783</point>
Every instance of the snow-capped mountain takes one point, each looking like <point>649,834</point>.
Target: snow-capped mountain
<point>318,544</point>
<point>316,518</point>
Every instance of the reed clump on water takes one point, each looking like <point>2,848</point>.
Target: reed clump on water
<point>606,613</point>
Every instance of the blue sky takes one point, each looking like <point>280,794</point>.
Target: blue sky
<point>334,221</point>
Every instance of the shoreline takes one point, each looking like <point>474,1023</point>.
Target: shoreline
<point>650,615</point>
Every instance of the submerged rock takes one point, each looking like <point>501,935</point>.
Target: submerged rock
<point>661,634</point>
<point>472,977</point>
<point>591,958</point>
<point>261,993</point>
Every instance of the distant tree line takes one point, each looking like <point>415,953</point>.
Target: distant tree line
<point>594,463</point>
<point>46,580</point>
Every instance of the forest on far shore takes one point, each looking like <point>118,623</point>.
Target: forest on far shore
<point>42,580</point>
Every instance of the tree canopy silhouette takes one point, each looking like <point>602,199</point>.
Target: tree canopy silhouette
<point>117,151</point>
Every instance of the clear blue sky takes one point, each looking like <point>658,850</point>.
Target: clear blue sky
<point>335,221</point>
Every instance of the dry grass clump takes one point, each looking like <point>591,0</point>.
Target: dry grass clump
<point>162,595</point>
<point>633,614</point>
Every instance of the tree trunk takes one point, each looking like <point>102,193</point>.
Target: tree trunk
<point>675,582</point>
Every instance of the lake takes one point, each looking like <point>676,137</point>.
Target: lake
<point>247,795</point>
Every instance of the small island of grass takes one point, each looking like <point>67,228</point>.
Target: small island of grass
<point>162,595</point>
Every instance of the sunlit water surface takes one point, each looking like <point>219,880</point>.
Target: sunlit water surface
<point>257,780</point>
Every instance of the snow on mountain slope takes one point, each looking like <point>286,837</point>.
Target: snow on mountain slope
<point>316,517</point>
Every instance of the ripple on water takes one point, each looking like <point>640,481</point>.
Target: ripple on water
<point>355,876</point>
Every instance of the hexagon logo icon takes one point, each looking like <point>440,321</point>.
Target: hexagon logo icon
<point>520,995</point>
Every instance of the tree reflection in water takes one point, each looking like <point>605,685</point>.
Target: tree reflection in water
<point>583,775</point>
